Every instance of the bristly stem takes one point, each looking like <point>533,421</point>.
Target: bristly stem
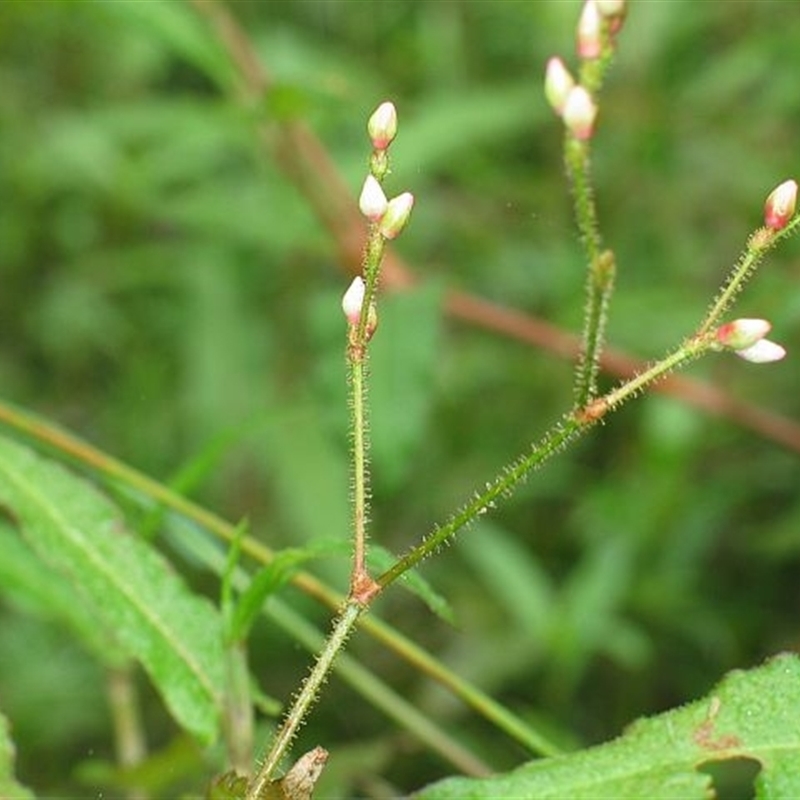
<point>359,466</point>
<point>601,266</point>
<point>308,693</point>
<point>763,240</point>
<point>600,269</point>
<point>357,358</point>
<point>577,423</point>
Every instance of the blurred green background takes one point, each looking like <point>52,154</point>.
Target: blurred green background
<point>169,295</point>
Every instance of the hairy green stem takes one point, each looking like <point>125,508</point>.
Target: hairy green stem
<point>554,440</point>
<point>759,244</point>
<point>600,269</point>
<point>504,483</point>
<point>600,265</point>
<point>308,693</point>
<point>114,471</point>
<point>359,434</point>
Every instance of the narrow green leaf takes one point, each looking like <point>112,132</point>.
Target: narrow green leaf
<point>266,582</point>
<point>226,602</point>
<point>177,636</point>
<point>25,578</point>
<point>749,714</point>
<point>180,29</point>
<point>8,785</point>
<point>513,575</point>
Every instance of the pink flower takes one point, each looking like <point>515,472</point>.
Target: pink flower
<point>780,205</point>
<point>372,201</point>
<point>742,333</point>
<point>382,125</point>
<point>590,31</point>
<point>397,215</point>
<point>558,83</point>
<point>610,8</point>
<point>579,113</point>
<point>353,300</point>
<point>762,352</point>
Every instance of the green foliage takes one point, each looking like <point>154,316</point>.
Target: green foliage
<point>748,715</point>
<point>8,786</point>
<point>139,602</point>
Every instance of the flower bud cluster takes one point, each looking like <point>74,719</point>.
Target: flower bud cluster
<point>389,217</point>
<point>392,215</point>
<point>746,338</point>
<point>599,22</point>
<point>570,101</point>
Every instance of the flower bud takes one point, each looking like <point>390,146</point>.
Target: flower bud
<point>558,83</point>
<point>382,125</point>
<point>579,113</point>
<point>372,200</point>
<point>762,352</point>
<point>590,31</point>
<point>610,8</point>
<point>353,300</point>
<point>396,216</point>
<point>742,333</point>
<point>780,205</point>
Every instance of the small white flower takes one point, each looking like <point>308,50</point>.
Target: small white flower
<point>372,201</point>
<point>353,300</point>
<point>762,352</point>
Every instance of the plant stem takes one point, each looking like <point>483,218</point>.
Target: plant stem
<point>308,693</point>
<point>114,471</point>
<point>358,428</point>
<point>757,247</point>
<point>357,356</point>
<point>128,731</point>
<point>600,269</point>
<point>504,483</point>
<point>554,440</point>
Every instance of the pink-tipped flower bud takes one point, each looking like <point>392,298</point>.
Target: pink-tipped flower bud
<point>558,83</point>
<point>372,201</point>
<point>742,333</point>
<point>610,8</point>
<point>382,125</point>
<point>396,216</point>
<point>762,352</point>
<point>590,31</point>
<point>353,300</point>
<point>579,113</point>
<point>780,205</point>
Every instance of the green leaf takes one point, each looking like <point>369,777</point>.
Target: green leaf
<point>45,591</point>
<point>266,582</point>
<point>513,575</point>
<point>176,636</point>
<point>8,785</point>
<point>749,714</point>
<point>180,29</point>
